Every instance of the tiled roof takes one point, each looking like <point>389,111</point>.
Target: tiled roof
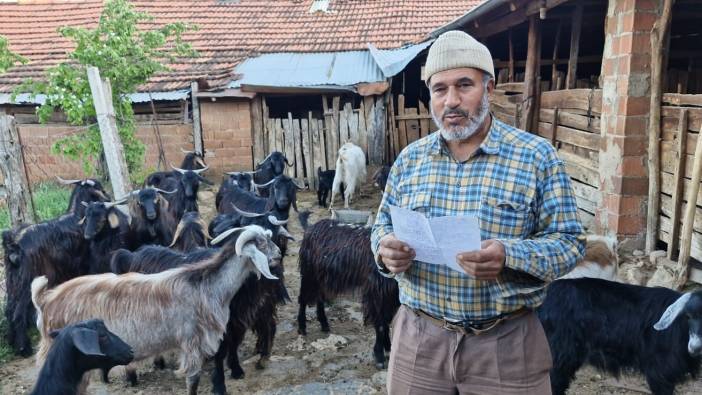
<point>229,31</point>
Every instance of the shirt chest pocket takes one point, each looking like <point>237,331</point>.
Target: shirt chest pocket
<point>504,219</point>
<point>419,201</point>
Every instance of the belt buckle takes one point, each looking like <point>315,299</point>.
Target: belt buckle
<point>449,326</point>
<point>481,328</point>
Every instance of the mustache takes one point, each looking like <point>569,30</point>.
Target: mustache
<point>455,111</point>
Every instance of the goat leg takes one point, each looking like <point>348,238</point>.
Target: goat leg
<point>218,385</point>
<point>322,316</point>
<point>236,338</point>
<point>302,318</point>
<point>193,382</point>
<point>159,362</point>
<point>379,346</point>
<point>131,375</point>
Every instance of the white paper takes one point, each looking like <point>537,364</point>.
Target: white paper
<point>436,240</point>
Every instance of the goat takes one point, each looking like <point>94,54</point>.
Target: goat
<point>336,258</point>
<point>253,307</point>
<point>76,349</point>
<point>234,180</point>
<point>54,248</point>
<point>185,198</point>
<point>106,229</point>
<point>184,308</point>
<point>380,177</point>
<point>190,234</point>
<point>616,327</point>
<point>88,190</point>
<point>600,259</point>
<point>284,194</point>
<point>151,220</point>
<point>326,181</point>
<point>167,179</point>
<point>271,167</point>
<point>350,170</point>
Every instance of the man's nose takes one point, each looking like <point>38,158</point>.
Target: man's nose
<point>453,99</point>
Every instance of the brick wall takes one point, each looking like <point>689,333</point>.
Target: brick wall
<point>226,134</point>
<point>42,165</point>
<point>625,105</point>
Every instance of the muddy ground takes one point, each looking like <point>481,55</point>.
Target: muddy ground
<point>321,363</point>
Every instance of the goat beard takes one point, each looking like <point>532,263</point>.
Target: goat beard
<point>474,122</point>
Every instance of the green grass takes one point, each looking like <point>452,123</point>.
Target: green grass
<point>5,349</point>
<point>50,201</point>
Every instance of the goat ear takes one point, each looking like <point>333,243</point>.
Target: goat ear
<point>86,340</point>
<point>113,219</point>
<point>54,333</point>
<point>259,259</point>
<point>672,312</point>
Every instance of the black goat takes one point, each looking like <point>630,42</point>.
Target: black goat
<point>78,348</point>
<point>326,181</point>
<point>54,248</point>
<point>185,198</point>
<point>151,220</point>
<point>106,228</point>
<point>253,307</point>
<point>335,259</point>
<point>88,190</point>
<point>268,169</point>
<point>618,327</point>
<point>283,195</point>
<point>380,177</point>
<point>266,220</point>
<point>190,234</point>
<point>234,180</point>
<point>165,179</point>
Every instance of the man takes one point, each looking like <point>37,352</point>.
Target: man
<point>475,332</point>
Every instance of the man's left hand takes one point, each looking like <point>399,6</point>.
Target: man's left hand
<point>486,263</point>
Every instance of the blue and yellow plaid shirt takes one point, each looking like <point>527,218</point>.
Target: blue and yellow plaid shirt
<point>518,188</point>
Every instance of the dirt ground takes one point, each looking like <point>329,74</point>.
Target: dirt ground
<point>335,363</point>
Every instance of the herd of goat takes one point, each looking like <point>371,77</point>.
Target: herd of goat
<point>106,285</point>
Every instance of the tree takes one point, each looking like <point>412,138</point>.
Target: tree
<point>8,59</point>
<point>125,54</point>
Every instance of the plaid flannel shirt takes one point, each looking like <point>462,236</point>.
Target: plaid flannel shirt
<point>518,188</point>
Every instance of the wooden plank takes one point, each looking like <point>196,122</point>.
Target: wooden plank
<point>326,131</point>
<point>344,134</point>
<point>678,189</point>
<point>680,99</point>
<point>257,129</point>
<point>670,118</point>
<point>317,141</point>
<point>368,111</point>
<point>379,126</point>
<point>589,193</point>
<point>324,161</point>
<point>667,208</point>
<point>289,147</point>
<point>668,186</point>
<point>554,70</point>
<point>589,100</point>
<point>362,133</point>
<point>336,135</point>
<point>510,66</point>
<point>587,219</point>
<point>696,243</point>
<point>511,87</point>
<point>554,126</point>
<point>572,136</point>
<point>109,134</point>
<point>530,74</point>
<point>19,199</point>
<point>401,126</point>
<point>309,171</point>
<point>197,127</point>
<point>580,168</point>
<point>576,27</point>
<point>394,134</point>
<point>686,232</point>
<point>424,124</point>
<point>571,120</point>
<point>266,127</point>
<point>352,121</point>
<point>412,125</point>
<point>299,161</point>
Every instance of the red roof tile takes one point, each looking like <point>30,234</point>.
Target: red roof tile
<point>229,31</point>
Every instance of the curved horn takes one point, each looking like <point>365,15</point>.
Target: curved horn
<point>250,233</point>
<point>186,152</point>
<point>264,185</point>
<point>288,162</point>
<point>275,221</point>
<point>84,203</point>
<point>297,185</point>
<point>285,233</point>
<point>90,182</point>
<point>246,213</point>
<point>232,173</point>
<point>181,171</point>
<point>224,235</point>
<point>67,182</point>
<point>166,192</point>
<point>261,162</point>
<point>198,171</point>
<point>131,194</point>
<point>115,203</point>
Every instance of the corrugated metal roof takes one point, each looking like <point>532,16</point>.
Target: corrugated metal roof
<point>139,97</point>
<point>309,69</point>
<point>393,61</point>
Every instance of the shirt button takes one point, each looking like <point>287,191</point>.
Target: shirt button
<point>458,184</point>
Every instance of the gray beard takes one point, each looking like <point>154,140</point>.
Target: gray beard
<point>472,127</point>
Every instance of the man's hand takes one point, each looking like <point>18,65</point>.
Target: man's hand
<point>486,263</point>
<point>396,255</point>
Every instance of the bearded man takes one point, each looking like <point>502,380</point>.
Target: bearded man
<point>475,332</point>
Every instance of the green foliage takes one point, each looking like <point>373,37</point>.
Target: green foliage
<point>5,349</point>
<point>126,56</point>
<point>8,59</point>
<point>50,201</point>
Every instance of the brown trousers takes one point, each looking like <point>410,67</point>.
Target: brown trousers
<point>513,358</point>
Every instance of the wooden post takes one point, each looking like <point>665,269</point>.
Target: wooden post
<point>658,39</point>
<point>554,128</point>
<point>530,74</point>
<point>510,78</point>
<point>554,70</point>
<point>197,128</point>
<point>111,144</point>
<point>689,217</point>
<point>379,126</point>
<point>576,26</point>
<point>257,134</point>
<point>678,178</point>
<point>19,198</point>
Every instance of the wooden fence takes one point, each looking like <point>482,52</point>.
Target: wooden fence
<point>681,120</point>
<point>407,125</point>
<point>313,142</point>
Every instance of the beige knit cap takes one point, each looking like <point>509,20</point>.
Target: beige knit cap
<point>455,49</point>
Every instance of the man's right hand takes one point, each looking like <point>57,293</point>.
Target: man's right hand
<point>396,255</point>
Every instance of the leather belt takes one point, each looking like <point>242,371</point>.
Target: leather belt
<point>471,327</point>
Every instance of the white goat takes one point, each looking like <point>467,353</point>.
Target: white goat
<point>600,260</point>
<point>185,308</point>
<point>351,170</point>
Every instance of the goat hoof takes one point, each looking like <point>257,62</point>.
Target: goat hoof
<point>238,375</point>
<point>325,329</point>
<point>261,364</point>
<point>132,378</point>
<point>159,363</point>
<point>380,365</point>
